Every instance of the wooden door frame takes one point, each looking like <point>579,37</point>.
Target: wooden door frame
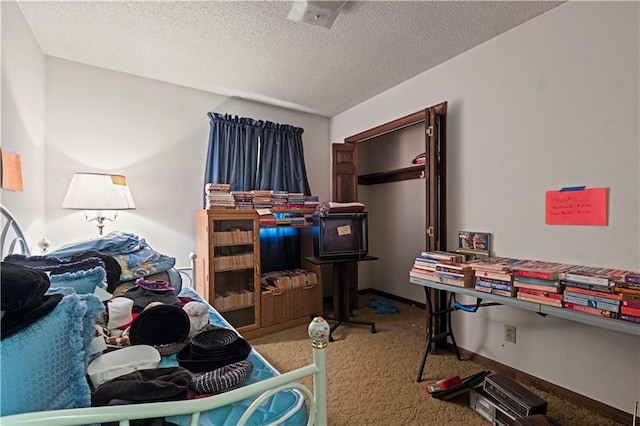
<point>435,169</point>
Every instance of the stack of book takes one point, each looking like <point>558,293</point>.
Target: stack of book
<point>311,202</point>
<point>261,199</point>
<point>592,290</point>
<point>279,200</point>
<point>218,196</point>
<point>267,220</point>
<point>296,200</point>
<point>493,275</point>
<point>628,287</point>
<point>540,282</point>
<point>454,273</point>
<point>425,265</point>
<point>244,199</point>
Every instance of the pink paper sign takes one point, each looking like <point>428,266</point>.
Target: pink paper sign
<point>577,207</point>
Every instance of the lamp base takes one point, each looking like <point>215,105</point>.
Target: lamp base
<point>100,218</point>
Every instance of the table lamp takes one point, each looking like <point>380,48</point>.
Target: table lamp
<point>98,192</point>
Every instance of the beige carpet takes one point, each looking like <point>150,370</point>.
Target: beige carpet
<point>371,377</point>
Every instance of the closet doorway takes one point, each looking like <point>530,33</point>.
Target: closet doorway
<point>380,160</point>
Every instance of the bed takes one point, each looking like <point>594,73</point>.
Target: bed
<point>266,397</point>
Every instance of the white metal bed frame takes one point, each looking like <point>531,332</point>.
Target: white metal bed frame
<point>317,399</point>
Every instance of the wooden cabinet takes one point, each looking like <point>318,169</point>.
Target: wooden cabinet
<point>228,264</point>
<point>228,271</point>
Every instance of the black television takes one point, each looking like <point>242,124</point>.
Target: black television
<point>340,235</point>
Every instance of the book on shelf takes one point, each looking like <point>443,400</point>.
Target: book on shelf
<point>548,294</point>
<point>442,255</point>
<point>630,311</point>
<point>290,278</point>
<point>593,303</point>
<point>598,288</point>
<point>506,293</point>
<point>464,282</point>
<point>454,268</point>
<point>498,276</point>
<point>425,275</point>
<point>539,299</point>
<point>538,284</point>
<point>501,285</point>
<point>594,275</point>
<point>553,289</point>
<point>592,293</point>
<point>540,269</point>
<point>628,285</point>
<point>625,291</point>
<point>629,296</point>
<point>482,289</point>
<point>630,318</point>
<point>494,263</point>
<point>589,310</point>
<point>538,281</point>
<point>589,279</point>
<point>461,277</point>
<point>632,277</point>
<point>635,304</point>
<point>421,267</point>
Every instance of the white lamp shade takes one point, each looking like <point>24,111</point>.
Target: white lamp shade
<point>96,191</point>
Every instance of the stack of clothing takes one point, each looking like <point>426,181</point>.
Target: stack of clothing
<point>328,207</point>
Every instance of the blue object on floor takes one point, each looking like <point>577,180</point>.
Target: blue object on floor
<point>382,306</point>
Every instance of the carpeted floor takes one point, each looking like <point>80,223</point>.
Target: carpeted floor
<point>372,377</point>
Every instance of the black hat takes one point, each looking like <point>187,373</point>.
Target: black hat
<point>23,297</point>
<point>212,349</point>
<point>165,327</point>
<point>222,379</point>
<point>142,297</point>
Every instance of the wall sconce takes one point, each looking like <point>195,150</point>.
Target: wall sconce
<point>98,192</point>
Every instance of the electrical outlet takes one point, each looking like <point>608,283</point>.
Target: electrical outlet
<point>510,333</point>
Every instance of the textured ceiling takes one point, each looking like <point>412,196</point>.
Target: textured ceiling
<point>251,50</point>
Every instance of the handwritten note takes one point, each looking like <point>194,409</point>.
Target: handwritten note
<point>11,170</point>
<point>581,207</point>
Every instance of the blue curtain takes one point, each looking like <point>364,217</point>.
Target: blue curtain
<point>281,165</point>
<point>250,154</point>
<point>232,156</point>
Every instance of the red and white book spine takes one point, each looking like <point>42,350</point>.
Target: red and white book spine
<point>538,287</point>
<point>539,299</point>
<point>589,310</point>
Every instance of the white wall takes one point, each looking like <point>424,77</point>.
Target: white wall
<point>551,103</point>
<point>22,118</point>
<point>154,133</point>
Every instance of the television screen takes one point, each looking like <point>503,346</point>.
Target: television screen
<point>340,235</point>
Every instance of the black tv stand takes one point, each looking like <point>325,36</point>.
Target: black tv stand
<point>340,277</point>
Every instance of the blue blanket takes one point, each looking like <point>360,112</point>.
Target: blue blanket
<point>134,255</point>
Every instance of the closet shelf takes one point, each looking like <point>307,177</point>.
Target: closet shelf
<point>406,173</point>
